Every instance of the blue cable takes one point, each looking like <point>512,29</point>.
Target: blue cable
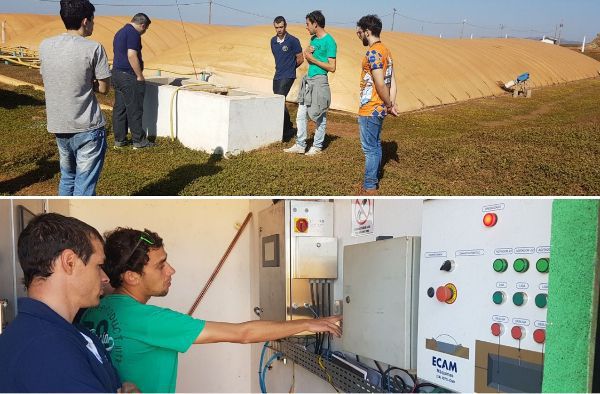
<point>267,365</point>
<point>263,388</point>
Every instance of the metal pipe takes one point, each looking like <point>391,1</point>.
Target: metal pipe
<point>3,305</point>
<point>218,268</point>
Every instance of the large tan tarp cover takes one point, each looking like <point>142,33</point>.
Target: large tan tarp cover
<point>429,71</point>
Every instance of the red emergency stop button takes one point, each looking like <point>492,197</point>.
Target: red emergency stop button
<point>497,329</point>
<point>444,294</point>
<point>539,335</point>
<point>517,332</point>
<point>301,225</point>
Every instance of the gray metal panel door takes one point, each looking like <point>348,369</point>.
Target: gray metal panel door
<point>378,286</point>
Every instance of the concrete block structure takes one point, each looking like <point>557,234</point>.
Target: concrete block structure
<point>212,119</point>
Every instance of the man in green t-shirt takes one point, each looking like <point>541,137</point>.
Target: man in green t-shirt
<point>314,96</point>
<point>144,340</point>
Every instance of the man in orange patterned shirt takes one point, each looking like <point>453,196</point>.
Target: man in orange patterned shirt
<point>377,97</point>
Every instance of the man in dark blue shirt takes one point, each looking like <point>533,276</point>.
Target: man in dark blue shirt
<point>288,56</point>
<point>129,83</point>
<point>41,350</point>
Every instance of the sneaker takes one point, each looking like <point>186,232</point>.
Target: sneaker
<point>121,144</point>
<point>295,149</point>
<point>313,151</point>
<point>144,144</point>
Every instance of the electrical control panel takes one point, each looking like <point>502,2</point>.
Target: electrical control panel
<point>296,246</point>
<point>483,294</point>
<point>380,300</point>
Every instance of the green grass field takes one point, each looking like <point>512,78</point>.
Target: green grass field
<point>546,145</point>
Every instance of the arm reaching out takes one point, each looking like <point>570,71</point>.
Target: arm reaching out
<point>260,330</point>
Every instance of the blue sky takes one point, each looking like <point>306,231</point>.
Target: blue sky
<point>522,18</point>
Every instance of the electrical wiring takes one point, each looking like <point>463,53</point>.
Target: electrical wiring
<point>387,379</point>
<point>329,378</point>
<point>340,23</point>
<point>293,386</point>
<point>424,384</point>
<point>266,367</point>
<point>262,357</point>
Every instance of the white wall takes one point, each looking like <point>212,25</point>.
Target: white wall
<point>196,233</point>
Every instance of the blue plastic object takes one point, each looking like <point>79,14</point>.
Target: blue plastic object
<point>523,77</point>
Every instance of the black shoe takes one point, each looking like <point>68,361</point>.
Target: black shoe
<point>122,144</point>
<point>143,144</point>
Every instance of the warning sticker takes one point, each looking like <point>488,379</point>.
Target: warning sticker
<point>362,217</point>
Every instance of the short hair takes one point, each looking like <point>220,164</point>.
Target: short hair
<point>141,19</point>
<point>46,237</point>
<point>73,12</point>
<point>316,16</point>
<point>371,23</point>
<point>280,19</point>
<point>127,249</point>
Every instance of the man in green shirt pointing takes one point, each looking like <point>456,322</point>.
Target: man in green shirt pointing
<point>144,340</point>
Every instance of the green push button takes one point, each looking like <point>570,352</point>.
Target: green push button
<point>500,265</point>
<point>521,265</point>
<point>543,265</point>
<point>519,298</point>
<point>498,297</point>
<point>541,300</point>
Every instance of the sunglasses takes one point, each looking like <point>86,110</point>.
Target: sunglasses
<point>144,236</point>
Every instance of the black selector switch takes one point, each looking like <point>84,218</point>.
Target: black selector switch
<point>431,292</point>
<point>447,266</point>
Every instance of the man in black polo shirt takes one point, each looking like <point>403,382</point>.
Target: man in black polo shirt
<point>129,83</point>
<point>288,56</point>
<point>41,350</point>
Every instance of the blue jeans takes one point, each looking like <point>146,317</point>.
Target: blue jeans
<point>81,160</point>
<point>301,124</point>
<point>370,133</point>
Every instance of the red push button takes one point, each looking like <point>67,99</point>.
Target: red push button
<point>539,335</point>
<point>443,294</point>
<point>301,225</point>
<point>517,332</point>
<point>497,329</point>
<point>490,219</point>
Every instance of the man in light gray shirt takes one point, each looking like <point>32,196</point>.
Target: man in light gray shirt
<point>73,68</point>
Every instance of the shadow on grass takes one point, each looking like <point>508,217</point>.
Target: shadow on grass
<point>329,138</point>
<point>12,100</point>
<point>179,178</point>
<point>389,150</point>
<point>45,170</point>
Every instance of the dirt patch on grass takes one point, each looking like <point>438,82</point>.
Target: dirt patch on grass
<point>535,114</point>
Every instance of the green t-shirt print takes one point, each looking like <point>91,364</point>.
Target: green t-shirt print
<point>325,48</point>
<point>144,341</point>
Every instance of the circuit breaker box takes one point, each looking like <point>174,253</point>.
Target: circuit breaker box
<point>296,246</point>
<point>483,294</point>
<point>380,300</point>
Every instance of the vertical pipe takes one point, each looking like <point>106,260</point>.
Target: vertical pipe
<point>583,45</point>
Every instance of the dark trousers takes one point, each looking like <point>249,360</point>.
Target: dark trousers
<point>283,86</point>
<point>129,106</point>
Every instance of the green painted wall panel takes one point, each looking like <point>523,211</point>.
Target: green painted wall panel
<point>572,296</point>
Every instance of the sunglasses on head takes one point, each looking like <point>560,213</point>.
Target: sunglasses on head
<point>144,236</point>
